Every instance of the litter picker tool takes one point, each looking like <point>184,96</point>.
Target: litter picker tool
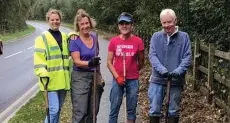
<point>124,97</point>
<point>95,82</point>
<point>168,98</point>
<point>45,83</point>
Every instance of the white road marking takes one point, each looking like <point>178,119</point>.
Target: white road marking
<point>13,54</point>
<point>13,108</point>
<point>18,52</point>
<point>30,47</point>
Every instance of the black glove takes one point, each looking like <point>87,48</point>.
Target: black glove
<point>93,62</point>
<point>165,74</point>
<point>174,74</point>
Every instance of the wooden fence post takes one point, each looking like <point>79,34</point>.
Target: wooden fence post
<point>211,54</point>
<point>196,75</point>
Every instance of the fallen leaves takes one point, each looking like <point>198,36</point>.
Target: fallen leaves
<point>194,108</point>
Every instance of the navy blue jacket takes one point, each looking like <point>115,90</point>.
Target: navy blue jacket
<point>167,57</point>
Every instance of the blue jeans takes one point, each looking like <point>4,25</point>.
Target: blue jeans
<point>56,99</point>
<point>131,88</point>
<point>157,92</point>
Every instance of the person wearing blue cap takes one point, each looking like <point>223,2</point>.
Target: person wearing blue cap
<point>125,59</point>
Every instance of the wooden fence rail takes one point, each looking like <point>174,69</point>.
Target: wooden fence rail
<point>207,89</point>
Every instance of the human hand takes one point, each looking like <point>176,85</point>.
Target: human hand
<point>95,61</point>
<point>174,74</point>
<point>165,74</point>
<point>120,80</point>
<point>73,37</point>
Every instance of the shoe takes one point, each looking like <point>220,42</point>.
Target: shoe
<point>154,119</point>
<point>173,119</point>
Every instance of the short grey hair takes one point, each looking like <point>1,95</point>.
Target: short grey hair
<point>168,11</point>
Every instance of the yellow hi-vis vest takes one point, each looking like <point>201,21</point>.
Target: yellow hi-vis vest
<point>50,61</point>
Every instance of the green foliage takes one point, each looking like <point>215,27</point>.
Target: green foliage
<point>14,14</point>
<point>18,34</point>
<point>211,22</point>
<point>205,20</point>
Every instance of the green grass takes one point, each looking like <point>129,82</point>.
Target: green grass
<point>34,111</point>
<point>67,25</point>
<point>8,36</point>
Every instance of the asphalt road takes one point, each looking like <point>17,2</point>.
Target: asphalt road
<point>17,76</point>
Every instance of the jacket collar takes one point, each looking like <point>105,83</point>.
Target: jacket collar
<point>177,29</point>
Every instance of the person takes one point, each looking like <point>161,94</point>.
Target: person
<point>170,56</point>
<point>84,51</point>
<point>127,48</point>
<point>51,59</point>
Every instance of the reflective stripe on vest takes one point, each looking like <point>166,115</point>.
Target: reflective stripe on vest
<point>57,68</point>
<point>39,50</point>
<point>57,57</point>
<point>46,44</point>
<point>48,57</point>
<point>39,66</point>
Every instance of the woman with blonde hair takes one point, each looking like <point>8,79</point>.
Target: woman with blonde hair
<point>84,52</point>
<point>51,60</point>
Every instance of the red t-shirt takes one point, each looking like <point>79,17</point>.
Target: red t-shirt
<point>130,48</point>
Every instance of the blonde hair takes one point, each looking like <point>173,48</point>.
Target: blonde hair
<point>168,11</point>
<point>53,11</point>
<point>81,14</point>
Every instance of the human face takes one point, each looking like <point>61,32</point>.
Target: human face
<point>54,22</point>
<point>125,27</point>
<point>168,23</point>
<point>84,25</point>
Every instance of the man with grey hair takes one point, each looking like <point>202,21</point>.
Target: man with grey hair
<point>170,56</point>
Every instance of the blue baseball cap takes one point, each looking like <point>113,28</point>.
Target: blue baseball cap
<point>125,17</point>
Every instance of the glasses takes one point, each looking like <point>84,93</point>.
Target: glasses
<point>124,23</point>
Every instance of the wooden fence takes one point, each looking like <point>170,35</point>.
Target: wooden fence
<point>212,77</point>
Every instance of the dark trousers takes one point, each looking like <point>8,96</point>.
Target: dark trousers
<point>82,97</point>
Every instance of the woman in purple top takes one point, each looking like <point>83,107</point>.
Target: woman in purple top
<point>83,51</point>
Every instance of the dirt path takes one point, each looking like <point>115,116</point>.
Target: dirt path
<point>194,108</point>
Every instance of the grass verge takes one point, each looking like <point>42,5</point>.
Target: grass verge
<point>34,111</point>
<point>19,34</point>
<point>69,25</point>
